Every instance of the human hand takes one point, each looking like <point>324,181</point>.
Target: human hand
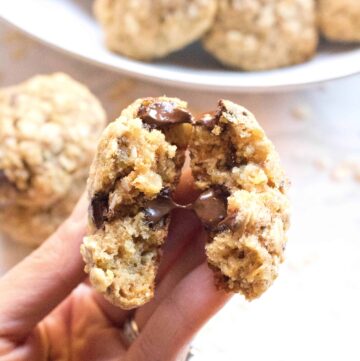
<point>49,312</point>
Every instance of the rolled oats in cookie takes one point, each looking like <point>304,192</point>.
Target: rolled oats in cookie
<point>238,171</point>
<point>137,166</point>
<point>49,126</point>
<point>149,29</point>
<point>259,35</point>
<point>339,20</point>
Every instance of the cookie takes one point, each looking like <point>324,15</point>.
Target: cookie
<point>238,170</point>
<point>242,202</point>
<point>31,226</point>
<point>259,35</point>
<point>49,126</point>
<point>150,29</point>
<point>340,19</point>
<point>137,165</point>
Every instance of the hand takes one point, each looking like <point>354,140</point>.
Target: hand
<point>47,312</point>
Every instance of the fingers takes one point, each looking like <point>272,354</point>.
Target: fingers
<point>192,257</point>
<point>184,228</point>
<point>178,318</point>
<point>185,191</point>
<point>42,280</point>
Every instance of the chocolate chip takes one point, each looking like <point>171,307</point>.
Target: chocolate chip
<point>228,223</point>
<point>160,207</point>
<point>208,120</point>
<point>211,119</point>
<point>99,208</point>
<point>211,207</point>
<point>231,158</point>
<point>162,113</point>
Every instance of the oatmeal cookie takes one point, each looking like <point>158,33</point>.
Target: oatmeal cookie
<point>149,29</point>
<point>137,165</point>
<point>49,126</point>
<point>31,226</point>
<point>239,172</point>
<point>340,19</point>
<point>242,202</point>
<point>259,34</point>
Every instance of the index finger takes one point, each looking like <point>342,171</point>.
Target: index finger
<point>41,281</point>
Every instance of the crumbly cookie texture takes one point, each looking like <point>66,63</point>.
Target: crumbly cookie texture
<point>340,19</point>
<point>149,29</point>
<point>231,154</point>
<point>49,126</point>
<point>48,132</point>
<point>242,202</point>
<point>31,226</point>
<point>259,34</point>
<point>137,165</point>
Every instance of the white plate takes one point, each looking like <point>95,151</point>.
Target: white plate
<point>69,25</point>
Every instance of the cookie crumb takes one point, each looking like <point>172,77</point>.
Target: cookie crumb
<point>356,173</point>
<point>340,173</point>
<point>301,112</point>
<point>322,163</point>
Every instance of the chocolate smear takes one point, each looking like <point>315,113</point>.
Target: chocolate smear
<point>162,114</point>
<point>99,208</point>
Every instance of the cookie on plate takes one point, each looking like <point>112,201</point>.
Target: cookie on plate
<point>244,188</point>
<point>242,202</point>
<point>49,126</point>
<point>259,35</point>
<point>340,19</point>
<point>150,29</point>
<point>137,165</point>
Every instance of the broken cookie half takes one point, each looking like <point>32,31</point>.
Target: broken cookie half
<point>242,203</point>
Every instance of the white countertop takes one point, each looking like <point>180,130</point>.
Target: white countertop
<point>312,311</point>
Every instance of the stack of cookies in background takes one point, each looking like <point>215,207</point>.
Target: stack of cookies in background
<point>48,134</point>
<point>243,34</point>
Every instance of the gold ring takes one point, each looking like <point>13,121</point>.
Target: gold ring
<point>130,331</point>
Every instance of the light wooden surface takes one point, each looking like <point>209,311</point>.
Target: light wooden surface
<point>312,311</point>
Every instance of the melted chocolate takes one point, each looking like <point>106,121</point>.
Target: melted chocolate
<point>208,120</point>
<point>99,208</point>
<point>162,113</point>
<point>211,207</point>
<point>211,119</point>
<point>159,208</point>
<point>228,223</point>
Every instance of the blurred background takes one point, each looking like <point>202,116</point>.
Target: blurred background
<point>311,312</point>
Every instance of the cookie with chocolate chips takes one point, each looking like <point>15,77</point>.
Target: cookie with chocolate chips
<point>230,153</point>
<point>242,202</point>
<point>137,165</point>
